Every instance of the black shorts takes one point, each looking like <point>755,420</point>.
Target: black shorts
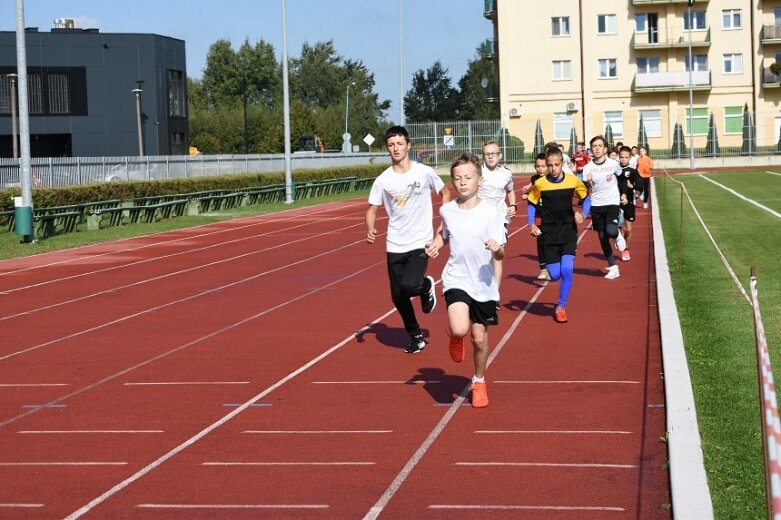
<point>552,253</point>
<point>601,216</point>
<point>629,210</point>
<point>479,312</point>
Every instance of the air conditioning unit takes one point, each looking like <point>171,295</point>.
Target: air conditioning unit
<point>515,112</point>
<point>573,106</point>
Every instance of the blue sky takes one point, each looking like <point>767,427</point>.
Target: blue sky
<point>365,30</point>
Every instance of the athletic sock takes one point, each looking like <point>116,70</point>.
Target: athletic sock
<point>476,379</point>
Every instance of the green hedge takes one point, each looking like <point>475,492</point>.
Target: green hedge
<point>47,197</point>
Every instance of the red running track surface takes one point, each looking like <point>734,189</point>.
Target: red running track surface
<point>254,369</point>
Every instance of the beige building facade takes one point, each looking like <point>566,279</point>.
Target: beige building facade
<point>584,64</point>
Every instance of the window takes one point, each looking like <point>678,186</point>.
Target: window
<point>699,121</point>
<point>652,121</point>
<point>562,70</point>
<point>641,22</point>
<point>34,93</point>
<point>562,125</point>
<point>560,26</point>
<point>733,120</point>
<point>647,65</point>
<point>616,122</point>
<point>733,64</point>
<point>176,143</point>
<point>176,106</point>
<point>700,62</point>
<point>730,19</point>
<point>607,68</point>
<point>5,94</point>
<point>777,16</point>
<point>696,21</point>
<point>59,93</point>
<point>606,24</point>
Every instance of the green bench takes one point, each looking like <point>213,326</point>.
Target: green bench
<point>363,184</point>
<point>132,214</point>
<point>305,190</point>
<point>57,219</point>
<point>220,201</point>
<point>264,194</point>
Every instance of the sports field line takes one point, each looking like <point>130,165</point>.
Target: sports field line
<point>773,173</point>
<point>265,220</point>
<point>742,197</point>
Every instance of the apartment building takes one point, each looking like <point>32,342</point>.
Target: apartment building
<point>587,64</point>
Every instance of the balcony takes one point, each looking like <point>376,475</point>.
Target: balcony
<point>671,81</point>
<point>769,80</point>
<point>670,38</point>
<point>771,35</point>
<point>489,48</point>
<point>490,9</point>
<point>648,2</point>
<point>492,92</point>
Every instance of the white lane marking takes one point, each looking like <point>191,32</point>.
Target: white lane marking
<point>288,463</point>
<point>163,383</point>
<point>742,197</point>
<point>25,385</point>
<point>315,432</point>
<point>11,506</point>
<point>87,463</point>
<point>567,432</point>
<point>87,431</point>
<point>548,464</point>
<point>415,382</point>
<point>526,507</point>
<point>773,173</point>
<point>233,506</point>
<point>564,382</point>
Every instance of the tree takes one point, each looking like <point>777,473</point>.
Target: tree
<point>474,102</point>
<point>431,98</point>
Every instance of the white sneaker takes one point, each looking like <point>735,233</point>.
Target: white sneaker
<point>620,241</point>
<point>612,273</point>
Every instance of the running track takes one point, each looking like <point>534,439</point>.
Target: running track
<point>254,368</point>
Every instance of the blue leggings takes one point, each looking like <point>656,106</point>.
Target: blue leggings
<point>563,269</point>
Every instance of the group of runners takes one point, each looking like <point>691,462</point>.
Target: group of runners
<point>474,229</point>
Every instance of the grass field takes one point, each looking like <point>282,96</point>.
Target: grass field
<point>717,321</point>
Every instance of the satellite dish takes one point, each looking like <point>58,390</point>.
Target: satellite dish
<point>484,82</point>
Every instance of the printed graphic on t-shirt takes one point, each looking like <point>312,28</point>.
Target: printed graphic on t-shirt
<point>401,200</point>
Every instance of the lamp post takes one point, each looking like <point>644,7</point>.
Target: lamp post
<point>691,91</point>
<point>137,91</point>
<point>14,132</point>
<point>346,136</point>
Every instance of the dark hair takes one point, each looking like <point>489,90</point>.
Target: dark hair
<point>625,149</point>
<point>397,130</point>
<point>597,138</point>
<point>540,157</point>
<point>553,150</point>
<point>467,158</point>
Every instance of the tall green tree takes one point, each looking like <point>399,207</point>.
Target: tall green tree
<point>432,96</point>
<point>473,98</point>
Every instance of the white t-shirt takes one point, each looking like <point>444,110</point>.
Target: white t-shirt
<point>495,186</point>
<point>407,200</point>
<point>469,266</point>
<point>602,178</point>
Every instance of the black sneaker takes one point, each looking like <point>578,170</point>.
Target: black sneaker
<point>416,345</point>
<point>428,300</point>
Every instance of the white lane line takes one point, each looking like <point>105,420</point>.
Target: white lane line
<point>379,506</point>
<point>288,463</point>
<point>742,197</point>
<point>548,464</point>
<point>525,507</point>
<point>162,383</point>
<point>88,463</point>
<point>30,385</point>
<point>315,432</point>
<point>585,382</point>
<point>233,506</point>
<point>773,173</point>
<point>11,506</point>
<point>567,432</point>
<point>415,382</point>
<point>44,432</point>
<point>206,431</point>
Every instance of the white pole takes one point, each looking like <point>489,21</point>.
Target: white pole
<point>286,103</point>
<point>691,92</point>
<point>402,120</point>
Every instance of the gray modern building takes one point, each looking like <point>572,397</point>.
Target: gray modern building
<point>82,93</point>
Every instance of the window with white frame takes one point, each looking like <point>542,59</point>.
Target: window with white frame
<point>652,121</point>
<point>696,21</point>
<point>562,125</point>
<point>648,65</point>
<point>562,70</point>
<point>699,121</point>
<point>733,120</point>
<point>560,26</point>
<point>641,22</point>
<point>607,68</point>
<point>730,19</point>
<point>733,64</point>
<point>616,122</point>
<point>700,62</point>
<point>606,24</point>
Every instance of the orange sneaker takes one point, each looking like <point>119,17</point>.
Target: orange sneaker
<point>561,315</point>
<point>457,350</point>
<point>479,395</point>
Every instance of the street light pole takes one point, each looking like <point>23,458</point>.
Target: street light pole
<point>14,131</point>
<point>137,91</point>
<point>346,136</point>
<point>691,91</point>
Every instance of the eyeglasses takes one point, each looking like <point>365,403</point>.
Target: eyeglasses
<point>492,154</point>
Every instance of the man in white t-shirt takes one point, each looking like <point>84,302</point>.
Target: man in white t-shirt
<point>404,189</point>
<point>602,175</point>
<point>497,188</point>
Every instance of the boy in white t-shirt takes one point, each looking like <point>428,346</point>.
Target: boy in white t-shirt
<point>497,188</point>
<point>474,228</point>
<point>404,189</point>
